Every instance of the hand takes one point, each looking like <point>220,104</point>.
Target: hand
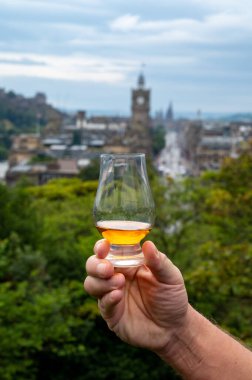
<point>145,306</point>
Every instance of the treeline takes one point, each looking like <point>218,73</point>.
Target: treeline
<point>51,329</point>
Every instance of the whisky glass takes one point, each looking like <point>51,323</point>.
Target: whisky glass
<point>124,209</point>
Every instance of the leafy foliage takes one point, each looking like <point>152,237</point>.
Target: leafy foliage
<point>207,223</point>
<point>91,172</point>
<point>158,139</point>
<point>51,329</point>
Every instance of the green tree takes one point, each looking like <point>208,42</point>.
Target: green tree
<point>158,139</point>
<point>17,215</point>
<point>3,153</point>
<point>91,172</point>
<point>207,221</point>
<point>51,329</point>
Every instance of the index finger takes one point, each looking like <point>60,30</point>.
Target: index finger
<point>100,268</point>
<point>101,248</point>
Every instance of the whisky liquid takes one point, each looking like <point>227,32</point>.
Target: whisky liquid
<point>123,232</point>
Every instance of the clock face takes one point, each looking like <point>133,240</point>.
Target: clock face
<point>140,100</point>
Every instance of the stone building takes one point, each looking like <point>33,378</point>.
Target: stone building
<point>24,147</point>
<point>138,134</point>
<point>39,174</point>
<point>189,138</point>
<point>216,143</point>
<point>206,144</point>
<point>84,139</point>
<point>116,134</point>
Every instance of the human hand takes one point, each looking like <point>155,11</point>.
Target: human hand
<point>145,306</point>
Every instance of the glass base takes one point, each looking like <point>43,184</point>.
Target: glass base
<point>126,255</point>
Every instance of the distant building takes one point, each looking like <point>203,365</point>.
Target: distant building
<point>81,139</point>
<point>40,174</point>
<point>189,140</point>
<point>138,134</point>
<point>24,147</point>
<point>108,133</point>
<point>40,98</point>
<point>206,144</point>
<point>95,132</point>
<point>169,113</point>
<point>81,119</point>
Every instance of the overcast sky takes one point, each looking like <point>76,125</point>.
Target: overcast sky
<point>87,54</point>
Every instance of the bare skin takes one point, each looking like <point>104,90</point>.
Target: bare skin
<point>148,307</point>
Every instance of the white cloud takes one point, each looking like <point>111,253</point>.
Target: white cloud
<point>73,68</point>
<point>125,23</point>
<point>183,30</point>
<point>129,23</point>
<point>89,69</point>
<point>95,41</point>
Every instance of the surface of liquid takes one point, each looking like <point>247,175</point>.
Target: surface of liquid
<point>123,232</point>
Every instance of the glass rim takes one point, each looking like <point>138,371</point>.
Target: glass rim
<point>122,155</point>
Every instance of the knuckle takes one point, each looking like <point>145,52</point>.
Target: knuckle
<point>90,261</point>
<point>164,262</point>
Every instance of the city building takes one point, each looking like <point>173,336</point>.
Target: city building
<point>83,139</point>
<point>138,133</point>
<point>39,174</point>
<point>24,147</point>
<point>204,144</point>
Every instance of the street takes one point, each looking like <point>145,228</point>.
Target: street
<point>169,161</point>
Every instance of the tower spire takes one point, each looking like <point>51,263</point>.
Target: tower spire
<point>141,78</point>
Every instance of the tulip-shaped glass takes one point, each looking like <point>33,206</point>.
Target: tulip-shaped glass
<point>124,209</point>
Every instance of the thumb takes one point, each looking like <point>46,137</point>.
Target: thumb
<point>161,267</point>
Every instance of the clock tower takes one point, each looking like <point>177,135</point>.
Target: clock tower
<point>139,131</point>
<point>140,105</point>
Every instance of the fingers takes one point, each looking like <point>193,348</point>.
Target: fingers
<point>110,306</point>
<point>159,264</point>
<point>97,265</point>
<point>101,278</point>
<point>101,248</point>
<point>100,268</point>
<point>98,287</point>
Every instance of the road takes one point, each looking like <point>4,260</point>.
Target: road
<point>169,161</point>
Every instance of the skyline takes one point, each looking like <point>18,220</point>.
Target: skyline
<point>88,55</point>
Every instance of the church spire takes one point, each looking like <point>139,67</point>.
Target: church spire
<point>169,113</point>
<point>141,80</point>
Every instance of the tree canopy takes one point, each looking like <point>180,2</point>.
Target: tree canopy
<point>51,329</point>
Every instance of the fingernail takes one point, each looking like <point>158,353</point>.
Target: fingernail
<point>101,268</point>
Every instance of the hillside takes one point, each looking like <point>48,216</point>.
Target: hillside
<point>19,114</point>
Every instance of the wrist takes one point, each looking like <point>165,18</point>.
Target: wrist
<point>200,350</point>
<point>182,352</point>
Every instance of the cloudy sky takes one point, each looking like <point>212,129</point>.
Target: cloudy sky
<point>87,54</point>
